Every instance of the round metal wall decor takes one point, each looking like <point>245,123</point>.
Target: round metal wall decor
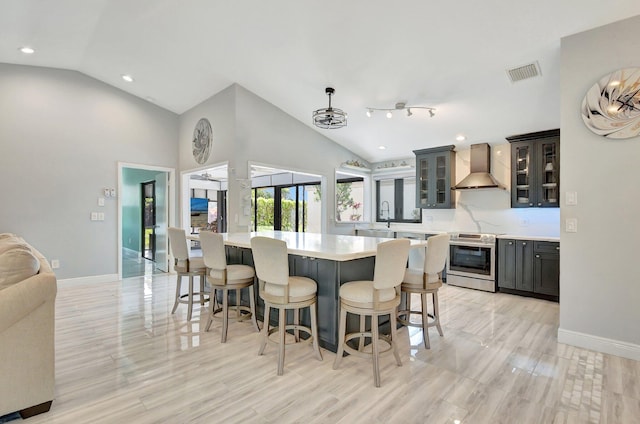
<point>202,139</point>
<point>611,107</point>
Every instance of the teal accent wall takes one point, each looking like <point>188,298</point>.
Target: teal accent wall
<point>131,205</point>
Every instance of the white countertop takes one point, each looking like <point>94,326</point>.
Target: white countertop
<point>533,238</point>
<point>322,246</point>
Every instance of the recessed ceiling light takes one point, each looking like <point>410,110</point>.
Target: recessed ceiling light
<point>389,115</point>
<point>27,50</point>
<point>382,147</point>
<point>460,137</point>
<point>127,78</point>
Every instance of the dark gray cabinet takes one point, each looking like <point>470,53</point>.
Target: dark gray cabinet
<point>435,176</point>
<point>529,267</point>
<point>546,266</point>
<point>535,169</point>
<point>515,264</point>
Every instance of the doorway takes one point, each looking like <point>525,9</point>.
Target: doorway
<point>148,221</point>
<point>144,202</point>
<point>205,200</point>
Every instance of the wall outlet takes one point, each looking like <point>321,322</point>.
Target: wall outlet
<point>55,263</point>
<point>100,216</point>
<point>571,225</point>
<point>94,216</point>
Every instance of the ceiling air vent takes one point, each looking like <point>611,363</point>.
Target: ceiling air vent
<point>523,72</point>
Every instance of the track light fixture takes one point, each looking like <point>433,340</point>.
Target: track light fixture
<point>401,106</point>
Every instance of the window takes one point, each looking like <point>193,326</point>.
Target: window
<point>349,198</point>
<point>287,208</point>
<point>397,200</point>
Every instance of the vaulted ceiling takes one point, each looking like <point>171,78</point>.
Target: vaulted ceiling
<point>450,55</point>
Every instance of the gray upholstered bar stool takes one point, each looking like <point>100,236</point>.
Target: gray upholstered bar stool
<point>374,298</point>
<point>186,266</point>
<point>225,277</point>
<point>281,291</point>
<point>426,281</point>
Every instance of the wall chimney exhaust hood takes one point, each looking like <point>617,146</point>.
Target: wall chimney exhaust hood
<point>480,176</point>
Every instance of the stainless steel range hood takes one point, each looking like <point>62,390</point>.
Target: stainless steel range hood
<point>480,176</point>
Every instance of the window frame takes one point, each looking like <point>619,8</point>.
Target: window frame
<point>277,205</point>
<point>342,176</point>
<point>398,196</point>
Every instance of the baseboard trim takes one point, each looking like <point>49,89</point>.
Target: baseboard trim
<point>92,279</point>
<point>599,344</point>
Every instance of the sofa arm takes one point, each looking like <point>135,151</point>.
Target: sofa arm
<point>19,300</point>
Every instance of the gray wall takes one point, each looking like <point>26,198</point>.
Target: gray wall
<point>599,283</point>
<point>61,136</point>
<point>247,128</point>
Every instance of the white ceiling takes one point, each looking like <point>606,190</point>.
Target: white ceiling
<point>451,55</point>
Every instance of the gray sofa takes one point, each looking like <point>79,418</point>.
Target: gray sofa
<point>28,290</point>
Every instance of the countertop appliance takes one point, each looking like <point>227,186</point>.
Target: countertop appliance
<point>472,261</point>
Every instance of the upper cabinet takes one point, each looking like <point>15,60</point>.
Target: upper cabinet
<point>535,169</point>
<point>435,174</point>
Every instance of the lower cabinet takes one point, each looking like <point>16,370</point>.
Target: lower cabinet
<point>546,268</point>
<point>529,267</point>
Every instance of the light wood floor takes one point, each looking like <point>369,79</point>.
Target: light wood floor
<point>121,357</point>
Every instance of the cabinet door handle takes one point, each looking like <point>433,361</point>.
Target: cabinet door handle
<point>524,243</point>
<point>530,204</point>
<point>510,243</point>
<point>312,259</point>
<point>537,256</point>
<point>558,248</point>
<point>539,204</point>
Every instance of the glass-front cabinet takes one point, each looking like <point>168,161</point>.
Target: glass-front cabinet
<point>435,174</point>
<point>535,169</point>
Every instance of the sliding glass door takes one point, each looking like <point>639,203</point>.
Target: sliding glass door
<point>287,208</point>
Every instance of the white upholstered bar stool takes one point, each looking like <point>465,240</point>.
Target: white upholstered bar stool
<point>426,281</point>
<point>186,266</point>
<point>281,291</point>
<point>224,278</point>
<point>374,298</point>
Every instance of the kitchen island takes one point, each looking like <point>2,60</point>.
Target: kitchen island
<point>329,259</point>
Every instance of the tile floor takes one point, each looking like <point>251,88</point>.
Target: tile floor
<point>123,357</point>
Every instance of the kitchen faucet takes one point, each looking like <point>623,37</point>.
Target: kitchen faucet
<point>388,212</point>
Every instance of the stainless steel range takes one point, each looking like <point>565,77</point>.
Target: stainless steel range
<point>472,261</point>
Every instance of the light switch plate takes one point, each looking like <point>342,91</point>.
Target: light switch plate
<point>100,201</point>
<point>571,225</point>
<point>94,216</point>
<point>571,198</point>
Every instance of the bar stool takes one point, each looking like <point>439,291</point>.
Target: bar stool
<point>374,298</point>
<point>426,281</point>
<point>281,291</point>
<point>186,266</point>
<point>225,277</point>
